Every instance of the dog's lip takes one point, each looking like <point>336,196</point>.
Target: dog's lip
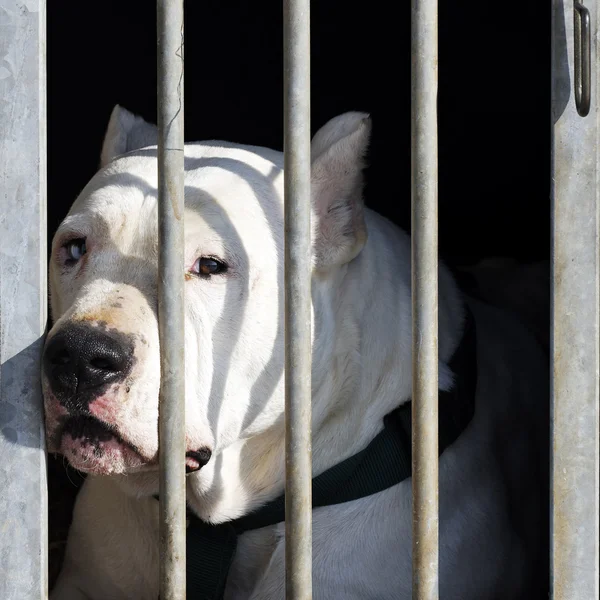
<point>91,428</point>
<point>196,459</point>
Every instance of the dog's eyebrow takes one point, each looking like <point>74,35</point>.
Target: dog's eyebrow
<point>74,226</point>
<point>69,231</point>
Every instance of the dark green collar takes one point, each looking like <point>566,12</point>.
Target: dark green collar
<point>385,462</point>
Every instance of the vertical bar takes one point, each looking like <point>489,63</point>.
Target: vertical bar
<point>575,316</point>
<point>170,300</point>
<point>298,346</point>
<point>23,301</point>
<point>424,50</point>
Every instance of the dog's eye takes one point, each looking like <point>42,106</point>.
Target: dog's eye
<point>206,266</point>
<point>75,250</point>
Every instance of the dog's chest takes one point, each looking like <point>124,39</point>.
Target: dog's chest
<point>354,545</point>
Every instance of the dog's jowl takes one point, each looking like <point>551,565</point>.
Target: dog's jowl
<point>101,376</point>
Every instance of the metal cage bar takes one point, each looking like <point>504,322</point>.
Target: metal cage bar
<point>424,51</point>
<point>575,306</point>
<point>23,302</point>
<point>298,346</point>
<point>170,300</point>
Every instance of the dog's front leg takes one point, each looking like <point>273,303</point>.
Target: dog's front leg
<point>66,588</point>
<point>112,550</point>
<point>271,585</point>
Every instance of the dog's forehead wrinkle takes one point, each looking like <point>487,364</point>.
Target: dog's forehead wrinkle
<point>113,190</point>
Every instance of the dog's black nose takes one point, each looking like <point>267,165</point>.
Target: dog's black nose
<point>81,358</point>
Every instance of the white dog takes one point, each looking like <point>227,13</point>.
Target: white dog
<point>101,379</point>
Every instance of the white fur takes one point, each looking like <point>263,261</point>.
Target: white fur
<point>234,379</point>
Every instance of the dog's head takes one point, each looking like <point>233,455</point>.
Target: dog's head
<point>101,365</point>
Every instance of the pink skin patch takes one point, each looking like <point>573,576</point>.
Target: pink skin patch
<point>55,414</point>
<point>102,457</point>
<point>104,407</point>
<point>191,464</point>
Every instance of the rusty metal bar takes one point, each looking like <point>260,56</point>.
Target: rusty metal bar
<point>298,346</point>
<point>23,302</point>
<point>575,308</point>
<point>171,300</point>
<point>424,50</point>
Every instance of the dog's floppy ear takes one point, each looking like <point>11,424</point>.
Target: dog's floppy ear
<point>126,132</point>
<point>337,153</point>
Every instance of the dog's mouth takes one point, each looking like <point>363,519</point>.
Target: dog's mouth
<point>92,446</point>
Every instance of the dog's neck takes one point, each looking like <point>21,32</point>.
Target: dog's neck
<point>361,371</point>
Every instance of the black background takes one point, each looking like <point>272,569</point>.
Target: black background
<point>494,100</point>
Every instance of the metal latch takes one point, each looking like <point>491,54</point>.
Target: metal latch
<point>583,74</point>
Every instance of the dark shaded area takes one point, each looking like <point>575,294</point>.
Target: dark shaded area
<point>494,112</point>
